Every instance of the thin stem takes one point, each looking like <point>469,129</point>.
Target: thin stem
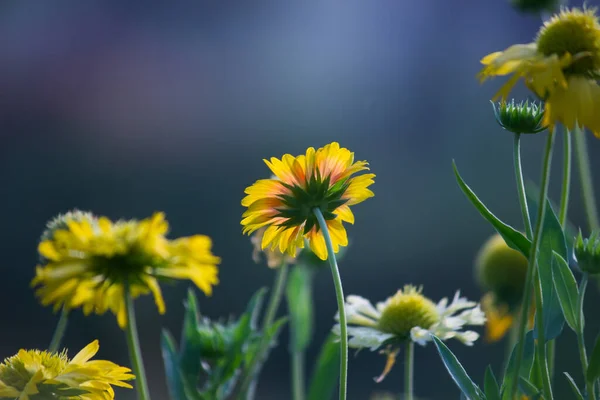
<point>409,361</point>
<point>298,375</point>
<point>585,176</point>
<point>566,183</point>
<point>59,331</point>
<point>135,353</point>
<point>339,292</point>
<point>521,191</point>
<point>581,340</point>
<point>532,261</point>
<point>541,339</point>
<point>270,314</point>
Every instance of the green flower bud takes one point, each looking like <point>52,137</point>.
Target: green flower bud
<point>587,252</point>
<point>502,271</point>
<point>535,6</point>
<point>524,117</point>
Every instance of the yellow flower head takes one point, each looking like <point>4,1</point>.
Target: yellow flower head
<point>34,374</point>
<point>284,205</point>
<point>89,263</point>
<point>501,271</point>
<point>561,67</point>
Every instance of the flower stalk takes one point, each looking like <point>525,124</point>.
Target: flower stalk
<point>585,178</point>
<point>531,271</point>
<point>135,352</point>
<point>409,360</point>
<point>298,391</point>
<point>59,331</point>
<point>339,291</point>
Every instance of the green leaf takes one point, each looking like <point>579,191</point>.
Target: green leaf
<point>593,371</point>
<point>529,389</point>
<point>490,385</point>
<point>191,342</point>
<point>526,364</point>
<point>580,298</point>
<point>457,372</point>
<point>566,289</point>
<point>170,358</point>
<point>300,306</point>
<point>574,387</point>
<point>326,371</point>
<point>553,239</point>
<point>513,238</point>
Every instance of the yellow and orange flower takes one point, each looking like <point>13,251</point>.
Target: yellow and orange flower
<point>561,67</point>
<point>92,262</point>
<point>284,205</point>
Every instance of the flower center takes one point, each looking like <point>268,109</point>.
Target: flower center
<point>127,267</point>
<point>405,310</point>
<point>575,32</point>
<point>14,372</point>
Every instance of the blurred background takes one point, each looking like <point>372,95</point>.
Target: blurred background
<point>125,108</point>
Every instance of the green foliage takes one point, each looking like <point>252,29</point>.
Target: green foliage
<point>457,372</point>
<point>524,369</point>
<point>490,385</point>
<point>574,387</point>
<point>212,355</point>
<point>593,371</point>
<point>552,240</point>
<point>513,238</point>
<point>326,371</point>
<point>300,306</point>
<point>566,289</point>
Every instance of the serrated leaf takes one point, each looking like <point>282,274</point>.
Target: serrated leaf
<point>457,372</point>
<point>526,364</point>
<point>566,289</point>
<point>574,387</point>
<point>553,239</point>
<point>529,389</point>
<point>490,385</point>
<point>326,371</point>
<point>513,238</point>
<point>300,306</point>
<point>593,371</point>
<point>170,359</point>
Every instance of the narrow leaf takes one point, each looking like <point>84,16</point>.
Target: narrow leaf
<point>300,306</point>
<point>593,371</point>
<point>553,239</point>
<point>526,364</point>
<point>513,238</point>
<point>191,345</point>
<point>457,372</point>
<point>529,389</point>
<point>326,371</point>
<point>574,387</point>
<point>566,289</point>
<point>169,353</point>
<point>490,385</point>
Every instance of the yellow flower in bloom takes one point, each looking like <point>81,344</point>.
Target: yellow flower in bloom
<point>321,179</point>
<point>92,261</point>
<point>501,271</point>
<point>561,67</point>
<point>34,374</point>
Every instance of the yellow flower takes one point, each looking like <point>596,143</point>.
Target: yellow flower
<point>561,67</point>
<point>501,271</point>
<point>34,374</point>
<point>92,261</point>
<point>274,257</point>
<point>318,179</point>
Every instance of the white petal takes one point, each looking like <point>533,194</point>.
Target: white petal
<point>467,337</point>
<point>361,337</point>
<point>474,316</point>
<point>420,336</point>
<point>363,306</point>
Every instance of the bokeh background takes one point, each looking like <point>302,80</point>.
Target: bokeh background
<point>125,107</point>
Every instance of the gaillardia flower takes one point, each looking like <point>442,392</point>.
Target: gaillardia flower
<point>560,67</point>
<point>501,272</point>
<point>34,374</point>
<point>91,262</point>
<point>523,117</point>
<point>284,205</point>
<point>408,316</point>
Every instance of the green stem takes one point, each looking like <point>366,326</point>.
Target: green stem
<point>135,353</point>
<point>409,361</point>
<point>270,314</point>
<point>585,176</point>
<point>566,183</point>
<point>298,375</point>
<point>59,331</point>
<point>339,292</point>
<point>581,340</point>
<point>535,237</point>
<point>541,339</point>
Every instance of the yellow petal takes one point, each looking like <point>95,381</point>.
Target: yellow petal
<point>86,353</point>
